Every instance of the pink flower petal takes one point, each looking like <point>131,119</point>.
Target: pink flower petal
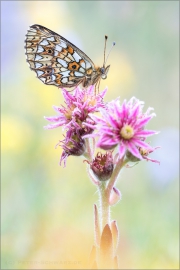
<point>135,112</point>
<point>145,133</point>
<point>102,94</point>
<point>134,151</point>
<point>52,118</point>
<point>122,150</point>
<point>143,122</point>
<point>52,126</point>
<point>152,160</point>
<point>89,136</point>
<point>56,108</point>
<point>124,110</point>
<point>97,119</point>
<point>89,125</point>
<point>141,144</point>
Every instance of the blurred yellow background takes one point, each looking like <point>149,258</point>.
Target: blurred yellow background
<point>47,210</point>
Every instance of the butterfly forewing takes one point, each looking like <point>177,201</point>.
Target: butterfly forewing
<point>56,61</point>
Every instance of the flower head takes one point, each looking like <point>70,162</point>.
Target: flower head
<point>75,114</point>
<point>124,126</point>
<point>144,153</point>
<point>102,166</point>
<point>72,145</point>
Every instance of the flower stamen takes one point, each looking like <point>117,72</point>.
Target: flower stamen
<point>127,132</point>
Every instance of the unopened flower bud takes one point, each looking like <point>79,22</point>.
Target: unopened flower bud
<point>103,166</point>
<point>144,152</point>
<point>131,157</point>
<point>115,196</point>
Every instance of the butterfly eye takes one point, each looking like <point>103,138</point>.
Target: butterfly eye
<point>102,70</point>
<point>103,76</point>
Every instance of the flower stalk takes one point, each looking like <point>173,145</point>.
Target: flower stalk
<point>104,190</point>
<point>115,174</point>
<point>104,207</point>
<point>120,131</point>
<point>88,154</point>
<point>106,231</point>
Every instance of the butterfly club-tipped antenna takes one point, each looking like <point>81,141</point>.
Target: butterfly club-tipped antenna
<point>106,58</point>
<point>106,37</point>
<point>105,61</point>
<point>104,69</point>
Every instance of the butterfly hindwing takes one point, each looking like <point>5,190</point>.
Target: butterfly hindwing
<point>55,60</point>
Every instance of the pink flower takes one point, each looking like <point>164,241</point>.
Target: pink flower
<point>144,153</point>
<point>72,145</point>
<point>79,105</point>
<point>123,126</point>
<point>102,166</point>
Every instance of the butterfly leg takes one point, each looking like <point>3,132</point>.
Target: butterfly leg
<point>97,85</point>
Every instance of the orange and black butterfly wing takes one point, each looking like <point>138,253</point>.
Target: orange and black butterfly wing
<point>55,60</point>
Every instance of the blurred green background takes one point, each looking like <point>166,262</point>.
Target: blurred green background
<point>47,210</point>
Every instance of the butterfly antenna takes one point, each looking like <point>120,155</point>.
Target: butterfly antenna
<point>113,44</point>
<point>106,37</point>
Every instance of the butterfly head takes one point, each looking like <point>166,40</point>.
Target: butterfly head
<point>104,72</point>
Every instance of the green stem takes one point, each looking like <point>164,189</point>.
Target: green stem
<point>104,207</point>
<point>115,174</point>
<point>104,194</point>
<point>88,154</point>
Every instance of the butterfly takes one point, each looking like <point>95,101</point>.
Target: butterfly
<point>58,62</point>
